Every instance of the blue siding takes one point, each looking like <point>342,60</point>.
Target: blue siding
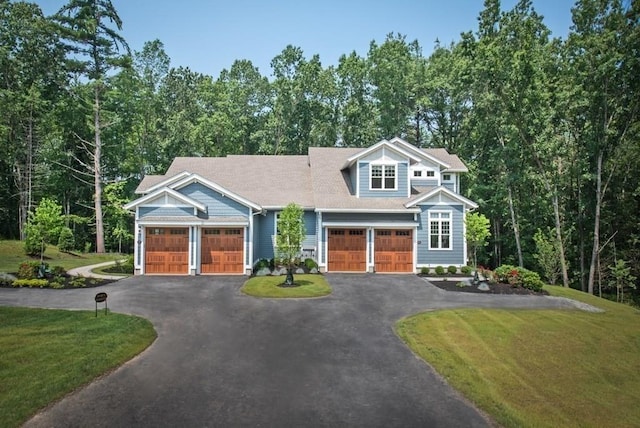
<point>402,177</point>
<point>165,211</point>
<point>449,185</point>
<point>455,256</point>
<point>424,182</point>
<point>265,231</point>
<point>217,205</point>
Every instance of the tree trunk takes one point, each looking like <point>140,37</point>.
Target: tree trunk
<point>563,261</point>
<point>516,231</point>
<point>97,172</point>
<point>596,226</point>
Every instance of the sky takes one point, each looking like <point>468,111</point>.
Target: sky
<point>209,35</point>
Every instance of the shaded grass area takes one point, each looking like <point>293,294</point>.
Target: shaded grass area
<point>538,368</point>
<point>269,286</point>
<point>12,254</point>
<point>48,353</point>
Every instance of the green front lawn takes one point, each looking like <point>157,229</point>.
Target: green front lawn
<point>48,353</point>
<point>538,368</point>
<point>12,254</point>
<point>268,286</point>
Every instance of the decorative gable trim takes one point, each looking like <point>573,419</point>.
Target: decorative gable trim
<point>166,182</point>
<point>468,203</point>
<point>381,144</point>
<point>167,192</point>
<point>417,152</point>
<point>195,178</point>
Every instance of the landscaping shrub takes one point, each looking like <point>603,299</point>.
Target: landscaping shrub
<point>78,282</point>
<point>58,271</point>
<point>439,270</point>
<point>261,264</point>
<point>310,264</point>
<point>127,266</point>
<point>466,270</point>
<point>34,242</point>
<point>31,283</point>
<point>424,270</point>
<point>519,277</point>
<point>29,270</point>
<point>452,270</point>
<point>66,241</point>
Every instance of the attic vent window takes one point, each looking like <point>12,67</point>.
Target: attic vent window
<point>383,177</point>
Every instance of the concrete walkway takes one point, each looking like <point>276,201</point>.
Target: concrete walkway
<point>86,271</point>
<point>226,359</point>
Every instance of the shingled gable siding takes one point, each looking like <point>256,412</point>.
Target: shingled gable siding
<point>217,205</point>
<point>402,175</point>
<point>423,182</point>
<point>455,256</point>
<point>165,211</point>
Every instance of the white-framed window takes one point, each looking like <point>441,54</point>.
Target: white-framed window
<point>440,230</point>
<point>446,177</point>
<point>417,173</point>
<point>431,173</point>
<point>383,177</point>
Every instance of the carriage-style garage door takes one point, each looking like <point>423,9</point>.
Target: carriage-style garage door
<point>222,250</point>
<point>167,250</point>
<point>393,251</point>
<point>347,250</point>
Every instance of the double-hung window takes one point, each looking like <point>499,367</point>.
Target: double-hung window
<point>383,177</point>
<point>439,230</point>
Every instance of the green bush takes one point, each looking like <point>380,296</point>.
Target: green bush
<point>78,282</point>
<point>452,269</point>
<point>424,270</point>
<point>261,264</point>
<point>34,243</point>
<point>58,271</point>
<point>31,283</point>
<point>310,264</point>
<point>466,270</point>
<point>66,240</point>
<point>439,270</point>
<point>30,270</point>
<point>519,277</point>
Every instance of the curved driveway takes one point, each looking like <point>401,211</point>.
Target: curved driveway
<point>226,359</point>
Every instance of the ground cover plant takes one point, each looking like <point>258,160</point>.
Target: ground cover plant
<point>271,286</point>
<point>537,368</point>
<point>48,353</point>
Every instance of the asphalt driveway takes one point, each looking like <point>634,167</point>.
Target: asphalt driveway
<point>226,359</point>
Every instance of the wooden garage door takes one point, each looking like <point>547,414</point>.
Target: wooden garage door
<point>222,251</point>
<point>393,251</point>
<point>167,250</point>
<point>347,250</point>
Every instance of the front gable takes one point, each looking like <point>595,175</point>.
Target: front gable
<point>441,196</point>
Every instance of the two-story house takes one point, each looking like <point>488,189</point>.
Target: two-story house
<point>388,208</point>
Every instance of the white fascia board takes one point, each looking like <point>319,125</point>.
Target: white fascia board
<point>167,182</point>
<point>202,223</point>
<point>177,195</point>
<point>420,153</point>
<point>383,143</point>
<point>192,178</point>
<point>367,210</point>
<point>441,189</point>
<point>386,225</point>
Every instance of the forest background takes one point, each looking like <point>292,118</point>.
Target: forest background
<point>548,126</point>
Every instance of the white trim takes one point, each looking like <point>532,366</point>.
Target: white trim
<point>319,240</point>
<point>166,182</point>
<point>358,179</point>
<point>440,221</point>
<point>419,152</point>
<point>354,224</point>
<point>383,177</point>
<point>384,144</point>
<point>167,191</point>
<point>367,210</point>
<point>439,190</point>
<point>203,223</point>
<point>465,257</point>
<point>216,187</point>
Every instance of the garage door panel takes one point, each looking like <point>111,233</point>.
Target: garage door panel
<point>167,251</point>
<point>347,250</point>
<point>393,251</point>
<point>222,250</point>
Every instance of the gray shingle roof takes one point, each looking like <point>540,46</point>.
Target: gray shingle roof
<point>313,181</point>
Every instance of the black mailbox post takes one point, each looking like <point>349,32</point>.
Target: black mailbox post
<point>101,297</point>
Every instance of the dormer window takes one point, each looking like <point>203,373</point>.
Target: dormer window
<point>431,174</point>
<point>383,177</point>
<point>417,173</point>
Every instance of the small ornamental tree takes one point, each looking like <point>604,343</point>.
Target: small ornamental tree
<point>477,232</point>
<point>548,255</point>
<point>66,241</point>
<point>290,235</point>
<point>620,278</point>
<point>43,226</point>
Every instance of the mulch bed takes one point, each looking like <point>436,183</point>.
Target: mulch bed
<point>500,288</point>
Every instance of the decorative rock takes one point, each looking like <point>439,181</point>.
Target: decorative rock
<point>313,270</point>
<point>280,271</point>
<point>299,271</point>
<point>483,286</point>
<point>263,272</point>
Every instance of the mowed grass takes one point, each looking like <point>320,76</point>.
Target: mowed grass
<point>12,254</point>
<point>48,353</point>
<point>268,286</point>
<point>538,368</point>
